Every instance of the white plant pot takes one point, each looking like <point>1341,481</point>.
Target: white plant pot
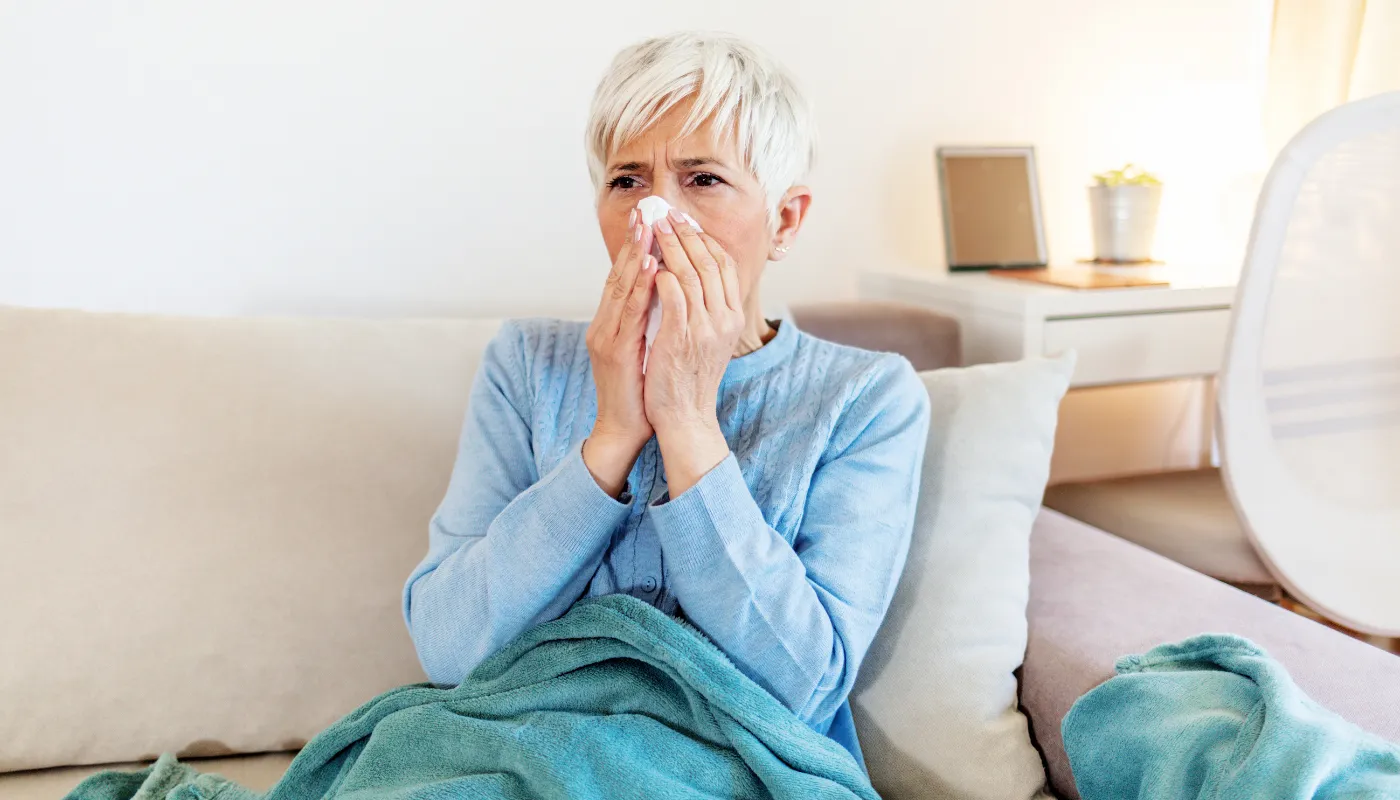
<point>1125,220</point>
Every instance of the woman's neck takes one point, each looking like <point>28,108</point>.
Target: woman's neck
<point>757,331</point>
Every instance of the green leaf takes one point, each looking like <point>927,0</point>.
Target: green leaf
<point>1130,175</point>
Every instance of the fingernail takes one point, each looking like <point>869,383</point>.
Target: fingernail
<point>677,217</point>
<point>664,225</point>
<point>637,232</point>
<point>632,218</point>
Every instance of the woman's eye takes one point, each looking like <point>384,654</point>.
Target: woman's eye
<point>623,182</point>
<point>706,179</point>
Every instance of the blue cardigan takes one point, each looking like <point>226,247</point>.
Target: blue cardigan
<point>786,554</point>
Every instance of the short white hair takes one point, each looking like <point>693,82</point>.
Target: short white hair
<point>732,81</point>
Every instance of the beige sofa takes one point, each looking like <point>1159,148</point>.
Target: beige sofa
<point>205,524</point>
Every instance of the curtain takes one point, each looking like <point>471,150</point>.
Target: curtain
<point>1324,53</point>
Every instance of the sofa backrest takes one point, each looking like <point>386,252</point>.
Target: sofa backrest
<point>204,524</point>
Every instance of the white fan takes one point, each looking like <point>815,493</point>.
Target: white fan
<point>1309,408</point>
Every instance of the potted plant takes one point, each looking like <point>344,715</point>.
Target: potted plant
<point>1123,204</point>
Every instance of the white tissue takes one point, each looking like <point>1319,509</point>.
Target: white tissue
<point>653,208</point>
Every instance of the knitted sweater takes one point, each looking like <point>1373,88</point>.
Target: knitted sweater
<point>786,554</point>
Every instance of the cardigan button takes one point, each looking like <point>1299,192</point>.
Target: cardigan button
<point>649,584</point>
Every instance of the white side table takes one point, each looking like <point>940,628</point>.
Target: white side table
<point>1122,335</point>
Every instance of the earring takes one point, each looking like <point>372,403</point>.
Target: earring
<point>783,249</point>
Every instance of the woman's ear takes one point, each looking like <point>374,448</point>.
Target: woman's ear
<point>791,211</point>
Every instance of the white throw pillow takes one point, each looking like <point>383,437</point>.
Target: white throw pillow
<point>936,704</point>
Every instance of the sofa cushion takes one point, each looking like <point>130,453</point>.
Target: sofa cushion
<point>936,705</point>
<point>928,339</point>
<point>206,524</point>
<point>1096,597</point>
<point>257,772</point>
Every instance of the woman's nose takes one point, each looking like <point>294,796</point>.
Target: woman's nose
<point>666,185</point>
<point>672,198</point>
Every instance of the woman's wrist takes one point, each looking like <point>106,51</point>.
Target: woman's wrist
<point>689,451</point>
<point>609,460</point>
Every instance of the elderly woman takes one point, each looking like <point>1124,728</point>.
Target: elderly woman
<point>754,479</point>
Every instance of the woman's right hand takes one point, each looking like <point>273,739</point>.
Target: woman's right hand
<point>616,343</point>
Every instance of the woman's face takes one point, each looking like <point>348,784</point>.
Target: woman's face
<point>704,177</point>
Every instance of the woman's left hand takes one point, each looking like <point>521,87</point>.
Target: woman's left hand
<point>702,317</point>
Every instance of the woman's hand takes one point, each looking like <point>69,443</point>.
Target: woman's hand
<point>615,347</point>
<point>702,317</point>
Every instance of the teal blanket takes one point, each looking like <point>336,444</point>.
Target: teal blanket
<point>1215,717</point>
<point>614,699</point>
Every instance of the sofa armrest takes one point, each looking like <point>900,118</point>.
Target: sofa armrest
<point>1095,597</point>
<point>928,339</point>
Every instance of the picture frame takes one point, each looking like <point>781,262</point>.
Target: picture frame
<point>991,207</point>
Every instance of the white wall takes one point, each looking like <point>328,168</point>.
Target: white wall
<point>362,157</point>
<point>368,157</point>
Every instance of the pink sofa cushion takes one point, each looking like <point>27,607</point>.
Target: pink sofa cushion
<point>1095,597</point>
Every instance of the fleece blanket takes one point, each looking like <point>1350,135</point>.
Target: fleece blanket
<point>613,699</point>
<point>1215,717</point>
